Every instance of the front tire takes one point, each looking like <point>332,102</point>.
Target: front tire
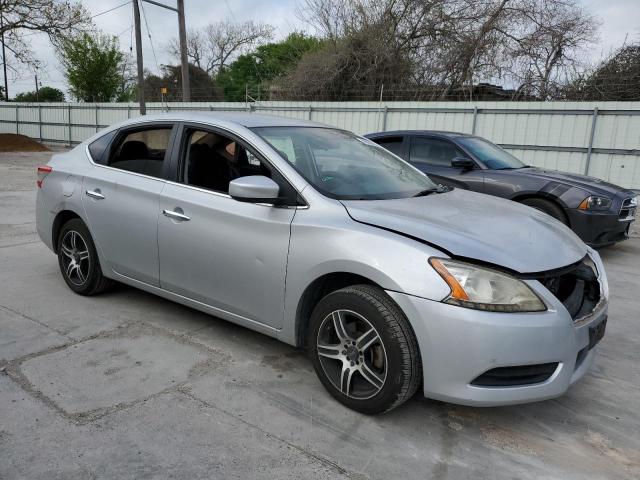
<point>547,207</point>
<point>364,350</point>
<point>78,259</point>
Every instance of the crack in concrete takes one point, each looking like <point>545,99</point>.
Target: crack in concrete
<point>317,457</point>
<point>23,315</point>
<point>12,368</point>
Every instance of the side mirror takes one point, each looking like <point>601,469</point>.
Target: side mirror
<point>254,189</point>
<point>463,163</point>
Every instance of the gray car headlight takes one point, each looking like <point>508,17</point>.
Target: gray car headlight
<point>485,289</point>
<point>595,202</point>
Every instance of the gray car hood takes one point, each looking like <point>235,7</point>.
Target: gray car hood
<point>476,226</point>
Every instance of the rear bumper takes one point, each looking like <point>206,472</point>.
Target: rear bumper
<point>458,345</point>
<point>598,229</point>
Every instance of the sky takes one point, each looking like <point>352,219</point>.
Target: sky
<point>619,20</point>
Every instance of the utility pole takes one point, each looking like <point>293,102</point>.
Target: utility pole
<point>186,88</point>
<point>37,91</point>
<point>136,19</point>
<point>182,33</point>
<point>4,61</point>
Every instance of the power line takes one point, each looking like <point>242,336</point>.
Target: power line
<point>111,9</point>
<point>153,50</point>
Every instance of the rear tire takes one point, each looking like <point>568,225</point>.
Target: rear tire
<point>547,207</point>
<point>363,349</point>
<point>78,260</point>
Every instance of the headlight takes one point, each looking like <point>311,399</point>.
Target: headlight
<point>594,202</point>
<point>485,289</point>
<point>633,202</point>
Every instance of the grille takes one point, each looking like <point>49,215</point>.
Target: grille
<point>628,209</point>
<point>577,288</point>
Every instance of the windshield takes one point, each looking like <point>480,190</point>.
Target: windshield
<point>491,155</point>
<point>344,166</point>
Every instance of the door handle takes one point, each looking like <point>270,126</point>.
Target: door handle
<point>95,194</point>
<point>176,215</point>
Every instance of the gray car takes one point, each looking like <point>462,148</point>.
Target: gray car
<point>599,212</point>
<point>325,240</point>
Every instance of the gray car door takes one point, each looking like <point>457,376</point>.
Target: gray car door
<point>433,156</point>
<point>225,253</point>
<point>121,197</point>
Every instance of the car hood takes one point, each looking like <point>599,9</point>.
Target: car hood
<point>590,184</point>
<point>476,226</point>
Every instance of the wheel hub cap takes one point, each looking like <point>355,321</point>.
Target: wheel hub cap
<point>352,354</point>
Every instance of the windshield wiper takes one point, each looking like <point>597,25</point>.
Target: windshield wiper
<point>426,192</point>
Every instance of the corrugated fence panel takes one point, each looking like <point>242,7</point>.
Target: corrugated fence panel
<point>569,136</point>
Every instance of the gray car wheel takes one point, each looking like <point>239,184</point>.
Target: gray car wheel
<point>78,259</point>
<point>364,350</point>
<point>546,206</point>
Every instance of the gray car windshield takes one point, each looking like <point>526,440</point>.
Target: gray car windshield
<point>344,166</point>
<point>491,155</point>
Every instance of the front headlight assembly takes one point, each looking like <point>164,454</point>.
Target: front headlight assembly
<point>595,202</point>
<point>485,289</point>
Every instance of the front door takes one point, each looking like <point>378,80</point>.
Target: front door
<point>433,156</point>
<point>225,253</point>
<point>121,196</point>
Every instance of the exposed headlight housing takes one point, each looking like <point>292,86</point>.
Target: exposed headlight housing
<point>485,289</point>
<point>633,202</point>
<point>595,202</point>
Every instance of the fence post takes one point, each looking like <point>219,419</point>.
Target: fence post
<point>384,118</point>
<point>40,122</point>
<point>309,112</point>
<point>17,120</point>
<point>128,111</point>
<point>475,118</point>
<point>594,119</point>
<point>69,121</point>
<point>97,118</point>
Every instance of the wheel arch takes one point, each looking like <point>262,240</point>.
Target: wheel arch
<point>544,196</point>
<point>61,218</point>
<point>318,289</point>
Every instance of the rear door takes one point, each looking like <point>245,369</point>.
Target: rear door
<point>121,196</point>
<point>225,253</point>
<point>434,155</point>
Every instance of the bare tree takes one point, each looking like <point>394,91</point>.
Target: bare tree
<point>546,53</point>
<point>21,18</point>
<point>216,45</point>
<point>452,45</point>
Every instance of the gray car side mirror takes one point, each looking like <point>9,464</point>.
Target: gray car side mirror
<point>463,162</point>
<point>254,189</point>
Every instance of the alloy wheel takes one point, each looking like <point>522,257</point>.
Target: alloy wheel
<point>75,259</point>
<point>352,354</point>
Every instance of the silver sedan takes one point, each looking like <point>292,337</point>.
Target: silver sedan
<point>324,240</point>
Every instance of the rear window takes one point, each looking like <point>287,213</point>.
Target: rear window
<point>393,144</point>
<point>98,148</point>
<point>141,151</point>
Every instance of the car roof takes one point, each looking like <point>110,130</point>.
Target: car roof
<point>245,119</point>
<point>437,133</point>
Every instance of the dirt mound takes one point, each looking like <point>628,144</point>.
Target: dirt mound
<point>11,142</point>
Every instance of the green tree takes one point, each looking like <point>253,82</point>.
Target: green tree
<point>45,94</point>
<point>93,67</point>
<point>256,71</point>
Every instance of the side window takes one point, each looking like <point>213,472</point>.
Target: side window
<point>141,151</point>
<point>433,152</point>
<point>98,148</point>
<point>393,144</point>
<point>212,160</point>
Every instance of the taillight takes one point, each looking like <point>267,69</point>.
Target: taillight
<point>42,173</point>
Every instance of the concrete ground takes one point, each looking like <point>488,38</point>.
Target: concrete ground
<point>127,385</point>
